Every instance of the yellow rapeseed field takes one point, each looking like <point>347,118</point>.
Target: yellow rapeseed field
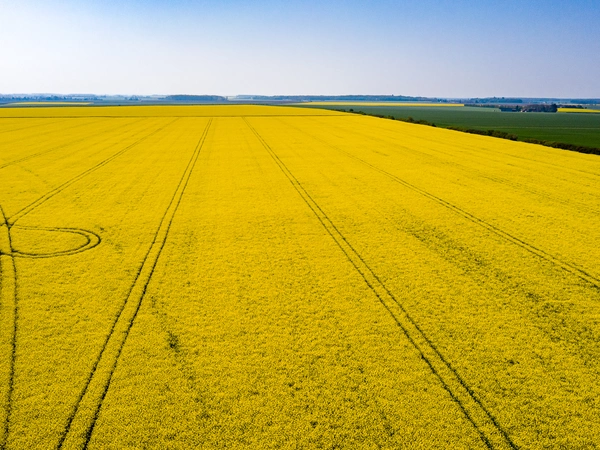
<point>279,277</point>
<point>578,110</point>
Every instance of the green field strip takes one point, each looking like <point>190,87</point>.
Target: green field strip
<point>80,425</point>
<point>550,127</point>
<point>538,124</point>
<point>486,425</point>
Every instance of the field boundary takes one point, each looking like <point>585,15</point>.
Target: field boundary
<point>518,186</point>
<point>486,425</point>
<point>82,420</point>
<point>497,152</point>
<point>491,133</point>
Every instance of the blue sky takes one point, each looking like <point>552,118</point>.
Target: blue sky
<point>458,48</point>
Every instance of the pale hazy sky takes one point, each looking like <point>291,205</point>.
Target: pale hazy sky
<point>448,48</point>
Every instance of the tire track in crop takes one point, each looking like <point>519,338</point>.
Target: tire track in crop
<point>53,131</point>
<point>367,401</point>
<point>9,306</point>
<point>24,128</point>
<point>82,420</point>
<point>489,150</point>
<point>91,240</point>
<point>490,431</point>
<point>564,265</point>
<point>456,254</point>
<point>58,147</point>
<point>40,201</point>
<point>504,155</point>
<point>8,325</point>
<point>516,185</point>
<point>8,295</point>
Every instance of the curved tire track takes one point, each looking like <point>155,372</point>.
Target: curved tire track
<point>8,283</point>
<point>92,240</point>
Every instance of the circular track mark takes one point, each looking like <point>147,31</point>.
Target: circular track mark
<point>91,240</point>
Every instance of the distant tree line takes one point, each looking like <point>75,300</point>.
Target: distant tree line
<point>482,105</point>
<point>495,100</point>
<point>195,98</point>
<point>46,98</point>
<point>540,108</point>
<point>341,98</point>
<point>585,101</point>
<point>570,106</point>
<point>492,133</point>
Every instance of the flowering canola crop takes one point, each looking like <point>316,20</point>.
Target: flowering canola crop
<point>578,110</point>
<point>277,277</point>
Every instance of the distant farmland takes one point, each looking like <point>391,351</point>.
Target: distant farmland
<point>570,128</point>
<point>279,277</point>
